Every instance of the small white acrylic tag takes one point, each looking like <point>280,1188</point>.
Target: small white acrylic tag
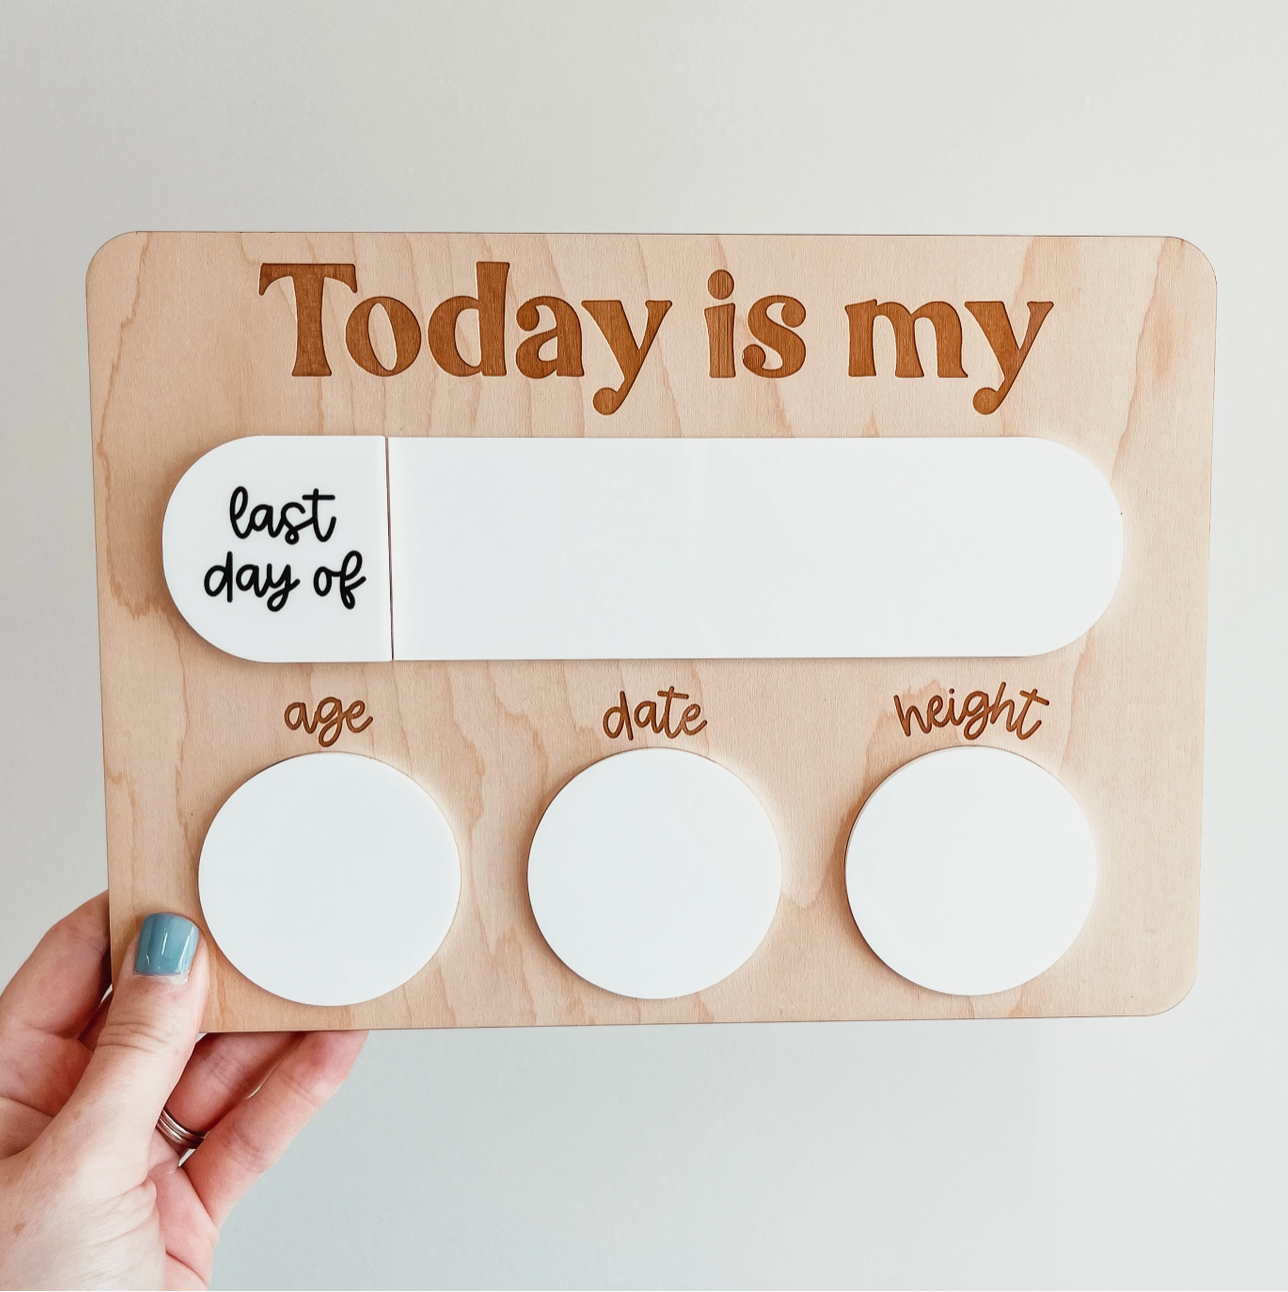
<point>276,548</point>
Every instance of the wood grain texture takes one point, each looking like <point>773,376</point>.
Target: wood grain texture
<point>185,353</point>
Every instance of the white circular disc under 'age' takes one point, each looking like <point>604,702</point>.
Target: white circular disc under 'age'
<point>970,871</point>
<point>654,873</point>
<point>329,879</point>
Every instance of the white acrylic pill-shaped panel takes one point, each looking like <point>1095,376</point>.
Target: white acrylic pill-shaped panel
<point>643,548</point>
<point>276,548</point>
<point>654,873</point>
<point>970,871</point>
<point>329,879</point>
<point>746,548</point>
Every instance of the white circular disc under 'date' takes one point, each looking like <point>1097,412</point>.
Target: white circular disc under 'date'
<point>970,871</point>
<point>329,879</point>
<point>654,873</point>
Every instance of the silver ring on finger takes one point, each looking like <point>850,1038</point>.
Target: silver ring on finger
<point>177,1135</point>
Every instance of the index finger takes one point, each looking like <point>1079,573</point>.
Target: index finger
<point>246,1142</point>
<point>58,988</point>
<point>43,1011</point>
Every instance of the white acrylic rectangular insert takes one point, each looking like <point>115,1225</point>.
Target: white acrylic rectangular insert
<point>745,548</point>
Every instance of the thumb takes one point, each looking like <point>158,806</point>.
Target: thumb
<point>152,1025</point>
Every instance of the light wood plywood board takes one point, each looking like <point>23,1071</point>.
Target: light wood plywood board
<point>185,353</point>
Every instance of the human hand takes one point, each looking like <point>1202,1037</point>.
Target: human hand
<point>91,1194</point>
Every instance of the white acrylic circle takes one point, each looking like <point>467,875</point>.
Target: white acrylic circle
<point>329,879</point>
<point>654,873</point>
<point>970,870</point>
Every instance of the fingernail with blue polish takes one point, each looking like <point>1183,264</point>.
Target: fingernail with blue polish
<point>167,944</point>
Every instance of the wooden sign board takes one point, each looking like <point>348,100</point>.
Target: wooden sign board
<point>1102,345</point>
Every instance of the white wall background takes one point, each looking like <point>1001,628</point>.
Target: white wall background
<point>1107,1152</point>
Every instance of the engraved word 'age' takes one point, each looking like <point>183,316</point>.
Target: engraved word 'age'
<point>328,719</point>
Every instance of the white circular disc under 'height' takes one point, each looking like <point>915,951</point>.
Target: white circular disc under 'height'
<point>654,873</point>
<point>329,879</point>
<point>970,871</point>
